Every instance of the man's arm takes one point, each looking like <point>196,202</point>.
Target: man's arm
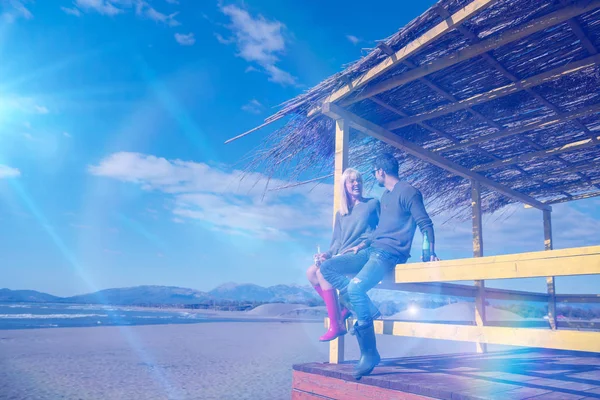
<point>374,216</point>
<point>419,213</point>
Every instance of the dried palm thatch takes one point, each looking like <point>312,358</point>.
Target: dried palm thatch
<point>452,110</point>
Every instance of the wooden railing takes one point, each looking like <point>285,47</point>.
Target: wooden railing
<point>433,277</point>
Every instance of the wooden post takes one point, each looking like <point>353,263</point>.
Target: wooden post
<point>550,279</point>
<point>342,134</point>
<point>478,252</point>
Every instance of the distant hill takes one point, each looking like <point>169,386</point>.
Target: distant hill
<point>141,295</point>
<point>241,292</point>
<point>389,301</point>
<point>22,296</point>
<point>278,293</point>
<point>165,295</point>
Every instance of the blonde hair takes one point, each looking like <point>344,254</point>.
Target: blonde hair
<point>344,197</point>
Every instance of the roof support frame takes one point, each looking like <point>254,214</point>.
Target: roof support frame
<point>452,138</point>
<point>577,8</point>
<point>496,93</point>
<point>336,112</point>
<point>462,15</point>
<point>578,145</point>
<point>542,123</point>
<point>575,197</point>
<point>587,44</point>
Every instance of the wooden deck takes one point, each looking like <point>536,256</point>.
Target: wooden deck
<point>521,374</point>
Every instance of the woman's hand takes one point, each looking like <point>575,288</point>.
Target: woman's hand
<point>354,249</point>
<point>321,257</point>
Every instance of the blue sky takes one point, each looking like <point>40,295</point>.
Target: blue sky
<point>113,170</point>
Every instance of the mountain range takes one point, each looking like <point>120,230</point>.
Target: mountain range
<point>166,295</point>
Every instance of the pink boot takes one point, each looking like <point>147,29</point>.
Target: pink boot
<point>335,323</point>
<point>318,290</point>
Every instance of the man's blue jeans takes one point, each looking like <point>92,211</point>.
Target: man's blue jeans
<point>370,266</point>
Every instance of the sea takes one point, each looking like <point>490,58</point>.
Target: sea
<point>48,315</point>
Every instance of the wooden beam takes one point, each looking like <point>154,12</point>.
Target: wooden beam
<point>500,68</point>
<point>576,28</point>
<point>564,262</point>
<point>497,93</point>
<point>581,167</point>
<point>576,197</point>
<point>575,186</point>
<point>547,230</point>
<point>515,295</point>
<point>376,131</point>
<point>578,298</point>
<point>460,290</point>
<point>540,124</point>
<point>550,283</point>
<point>442,289</point>
<point>529,28</point>
<point>549,339</point>
<point>453,139</point>
<point>462,15</point>
<point>477,220</point>
<point>480,319</point>
<point>578,145</point>
<point>342,138</point>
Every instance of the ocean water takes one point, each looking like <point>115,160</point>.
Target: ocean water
<point>31,316</point>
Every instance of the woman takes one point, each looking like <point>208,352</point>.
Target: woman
<point>354,222</point>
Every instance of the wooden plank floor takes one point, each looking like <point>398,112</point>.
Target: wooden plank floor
<point>522,374</point>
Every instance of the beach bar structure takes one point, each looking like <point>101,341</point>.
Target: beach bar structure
<point>486,103</point>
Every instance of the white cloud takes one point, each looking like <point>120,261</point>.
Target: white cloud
<point>353,39</point>
<point>14,104</point>
<point>116,7</point>
<point>253,106</point>
<point>41,109</point>
<point>145,10</point>
<point>15,9</point>
<point>259,41</point>
<point>103,7</point>
<point>8,172</point>
<point>185,39</point>
<point>220,200</point>
<point>67,134</point>
<point>71,11</point>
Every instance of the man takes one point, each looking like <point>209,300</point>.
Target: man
<point>402,210</point>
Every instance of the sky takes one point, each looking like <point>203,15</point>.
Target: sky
<point>113,167</point>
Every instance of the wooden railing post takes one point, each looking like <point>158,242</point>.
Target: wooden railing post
<point>478,252</point>
<point>550,279</point>
<point>342,134</point>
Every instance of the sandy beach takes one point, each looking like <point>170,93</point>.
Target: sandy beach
<point>231,360</point>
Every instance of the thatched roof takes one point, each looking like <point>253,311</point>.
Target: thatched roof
<point>525,113</point>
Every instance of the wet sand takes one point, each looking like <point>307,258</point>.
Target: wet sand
<point>231,360</point>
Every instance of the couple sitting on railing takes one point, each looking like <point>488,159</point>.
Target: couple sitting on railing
<point>370,238</point>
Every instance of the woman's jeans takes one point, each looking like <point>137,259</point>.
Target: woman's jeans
<point>370,266</point>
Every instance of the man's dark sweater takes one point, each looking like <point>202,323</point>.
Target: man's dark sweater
<point>402,210</point>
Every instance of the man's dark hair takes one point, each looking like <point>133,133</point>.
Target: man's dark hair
<point>388,163</point>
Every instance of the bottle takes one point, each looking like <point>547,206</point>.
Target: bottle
<point>426,248</point>
<point>317,260</point>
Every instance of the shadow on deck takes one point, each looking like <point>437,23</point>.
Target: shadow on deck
<point>520,374</point>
